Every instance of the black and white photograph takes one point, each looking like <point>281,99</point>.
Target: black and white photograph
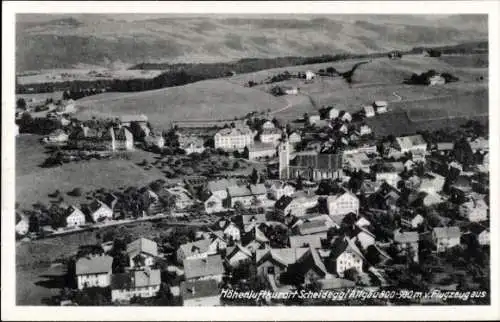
<point>229,159</point>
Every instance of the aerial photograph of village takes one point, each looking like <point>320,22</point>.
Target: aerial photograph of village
<point>251,160</point>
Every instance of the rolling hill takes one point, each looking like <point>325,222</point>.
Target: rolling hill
<point>66,41</point>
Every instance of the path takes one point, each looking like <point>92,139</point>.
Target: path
<point>288,105</point>
<point>399,98</point>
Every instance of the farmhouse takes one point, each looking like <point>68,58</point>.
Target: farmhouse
<point>213,204</point>
<point>303,241</point>
<point>333,113</point>
<point>74,217</point>
<point>238,255</point>
<point>475,209</point>
<point>246,195</point>
<point>219,188</point>
<point>364,130</point>
<point>436,80</point>
<point>357,162</point>
<point>236,138</point>
<point>193,250</point>
<point>122,139</point>
<point>407,243</point>
<point>345,116</point>
<point>93,271</point>
<point>291,90</point>
<point>310,75</point>
<point>275,261</point>
<point>410,220</point>
<point>139,283</point>
<point>431,183</point>
<point>251,221</point>
<point>99,211</point>
<point>142,252</point>
<point>191,144</point>
<point>156,140</point>
<point>314,119</point>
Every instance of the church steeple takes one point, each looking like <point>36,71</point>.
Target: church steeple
<point>284,157</point>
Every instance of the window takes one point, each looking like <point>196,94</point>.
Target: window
<point>270,270</point>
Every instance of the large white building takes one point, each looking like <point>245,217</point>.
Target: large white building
<point>236,138</point>
<point>342,204</point>
<point>272,136</point>
<point>93,271</point>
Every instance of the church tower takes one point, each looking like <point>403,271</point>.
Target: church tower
<point>284,158</point>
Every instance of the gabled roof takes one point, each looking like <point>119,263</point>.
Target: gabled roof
<point>94,265</point>
<point>239,191</point>
<point>198,289</point>
<point>258,189</point>
<point>136,279</point>
<point>221,185</point>
<point>97,204</point>
<point>283,202</point>
<point>203,267</point>
<point>284,256</point>
<point>314,241</point>
<point>446,232</point>
<point>142,245</point>
<point>257,218</point>
<point>192,248</point>
<point>313,227</point>
<point>407,142</point>
<point>406,237</point>
<point>312,260</point>
<point>132,118</point>
<point>342,244</point>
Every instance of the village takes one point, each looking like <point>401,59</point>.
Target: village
<point>324,204</point>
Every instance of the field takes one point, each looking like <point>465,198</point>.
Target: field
<point>382,79</point>
<point>40,97</point>
<point>34,183</point>
<point>213,99</point>
<point>68,75</point>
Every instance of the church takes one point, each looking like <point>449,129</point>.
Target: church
<point>309,165</point>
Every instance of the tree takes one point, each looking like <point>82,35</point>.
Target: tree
<point>21,103</point>
<point>246,153</point>
<point>254,176</point>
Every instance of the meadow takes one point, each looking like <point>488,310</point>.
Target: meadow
<point>212,99</point>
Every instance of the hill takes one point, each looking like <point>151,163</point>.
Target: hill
<point>65,41</point>
<point>212,99</point>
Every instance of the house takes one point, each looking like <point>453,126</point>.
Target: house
<point>194,250</point>
<point>294,137</point>
<point>312,165</point>
<point>183,198</point>
<point>300,241</point>
<point>391,178</point>
<point>333,113</point>
<point>122,139</point>
<point>412,183</point>
<point>210,267</point>
<point>310,75</point>
<point>291,90</point>
<point>272,136</point>
<point>93,271</point>
<point>312,226</point>
<point>268,125</point>
<point>142,252</point>
<point>431,183</point>
<point>254,239</point>
<point>362,222</point>
<point>340,128</point>
<point>74,217</point>
<point>251,221</point>
<point>407,243</point>
<point>409,165</point>
<point>357,162</point>
<point>126,120</point>
<point>22,225</point>
<point>236,138</point>
<point>191,144</point>
<point>217,240</point>
<point>230,230</point>
<point>436,80</point>
<point>156,140</point>
<point>345,116</point>
<point>411,220</point>
<point>380,106</point>
<point>475,209</point>
<point>200,293</point>
<point>445,237</point>
<point>481,233</point>
<point>138,283</point>
<point>444,148</point>
<point>479,144</point>
<point>345,255</point>
<point>364,130</point>
<point>279,189</point>
<point>289,206</point>
<point>275,261</point>
<point>412,143</point>
<point>342,204</point>
<point>314,119</point>
<point>213,204</point>
<point>220,187</point>
<point>99,211</point>
<point>57,136</point>
<point>246,195</point>
<point>368,111</point>
<point>262,151</point>
<point>238,255</point>
<point>364,237</point>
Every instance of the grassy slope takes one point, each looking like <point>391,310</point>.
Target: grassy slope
<point>213,99</point>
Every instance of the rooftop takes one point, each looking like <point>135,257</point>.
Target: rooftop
<point>94,265</point>
<point>203,267</point>
<point>197,289</point>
